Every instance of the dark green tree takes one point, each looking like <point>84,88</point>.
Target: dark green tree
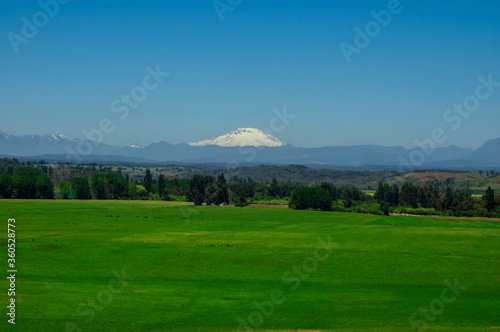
<point>434,189</point>
<point>448,198</point>
<point>24,186</point>
<point>315,198</point>
<point>161,185</point>
<point>116,186</point>
<point>210,193</point>
<point>394,200</point>
<point>80,188</point>
<point>44,187</point>
<point>274,190</point>
<point>196,191</point>
<point>166,196</point>
<point>109,186</point>
<point>30,182</point>
<point>331,189</point>
<point>98,186</point>
<point>64,189</point>
<point>208,189</point>
<point>148,180</point>
<point>423,196</point>
<point>409,195</point>
<point>221,188</point>
<point>6,186</point>
<point>489,198</point>
<point>385,208</point>
<point>28,171</point>
<point>380,193</point>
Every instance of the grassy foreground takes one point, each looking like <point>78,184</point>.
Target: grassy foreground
<point>185,268</point>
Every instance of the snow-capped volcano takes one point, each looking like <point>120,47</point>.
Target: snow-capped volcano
<point>242,137</point>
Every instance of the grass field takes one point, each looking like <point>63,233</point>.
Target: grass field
<point>202,268</point>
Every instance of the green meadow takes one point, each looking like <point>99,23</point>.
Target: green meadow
<point>170,266</point>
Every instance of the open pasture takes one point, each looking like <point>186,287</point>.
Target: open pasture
<point>170,266</point>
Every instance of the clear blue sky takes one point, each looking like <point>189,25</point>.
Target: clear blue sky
<point>263,55</point>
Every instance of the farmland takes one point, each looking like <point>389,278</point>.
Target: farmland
<point>170,266</point>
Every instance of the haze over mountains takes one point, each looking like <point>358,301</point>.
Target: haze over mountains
<point>247,146</point>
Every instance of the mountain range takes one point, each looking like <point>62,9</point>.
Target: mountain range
<point>249,146</point>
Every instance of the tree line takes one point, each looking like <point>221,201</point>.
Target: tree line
<point>18,181</point>
<point>326,197</point>
<point>429,198</point>
<point>29,182</point>
<point>26,182</point>
<point>410,198</point>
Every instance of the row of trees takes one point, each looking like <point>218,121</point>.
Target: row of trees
<point>315,198</point>
<point>18,181</point>
<point>347,194</point>
<point>425,199</point>
<point>429,196</point>
<point>204,189</point>
<point>326,197</point>
<point>251,189</point>
<point>31,182</point>
<point>26,182</point>
<point>115,186</point>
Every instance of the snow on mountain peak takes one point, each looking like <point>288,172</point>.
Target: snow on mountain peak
<point>242,137</point>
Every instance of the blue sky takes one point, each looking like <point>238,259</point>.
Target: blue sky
<point>264,55</point>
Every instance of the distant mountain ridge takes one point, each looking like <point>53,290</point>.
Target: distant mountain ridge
<point>60,147</point>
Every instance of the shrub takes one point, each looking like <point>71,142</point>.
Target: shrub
<point>142,193</point>
<point>422,212</point>
<point>240,201</point>
<point>153,197</point>
<point>384,207</point>
<point>371,207</point>
<point>258,197</point>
